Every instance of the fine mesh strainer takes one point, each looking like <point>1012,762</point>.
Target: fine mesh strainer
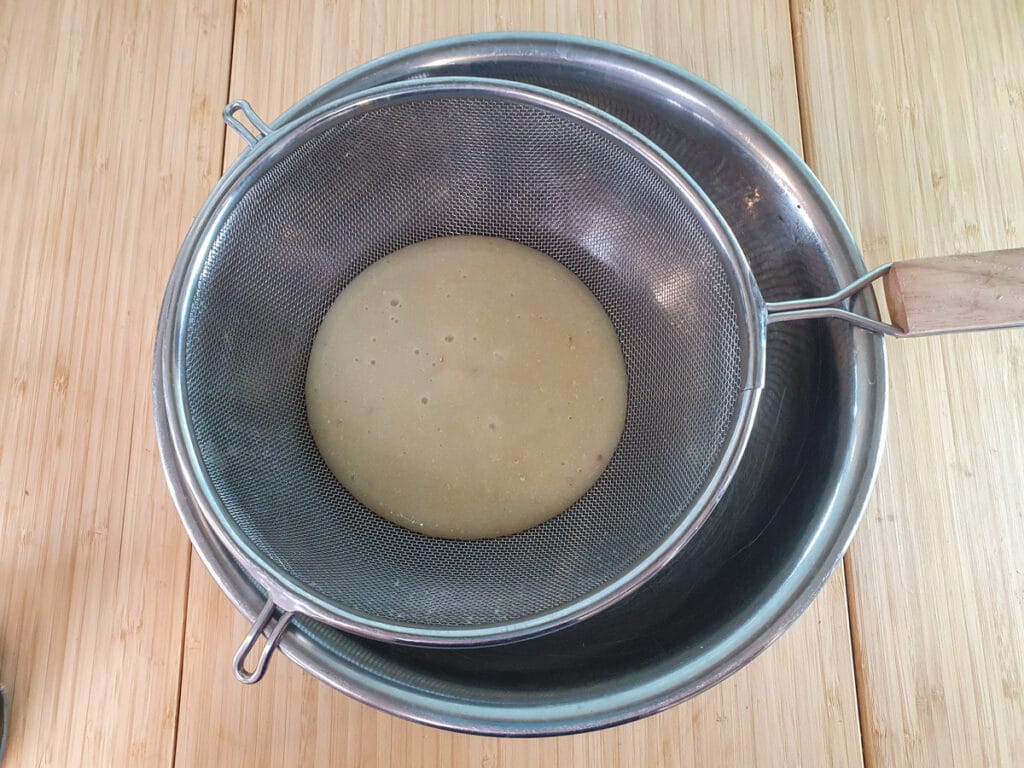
<point>314,202</point>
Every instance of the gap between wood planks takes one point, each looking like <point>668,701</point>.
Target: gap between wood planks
<point>809,156</point>
<point>188,560</point>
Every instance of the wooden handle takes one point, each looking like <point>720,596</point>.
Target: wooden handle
<point>970,292</point>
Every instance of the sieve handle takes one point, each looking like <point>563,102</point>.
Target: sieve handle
<point>258,627</point>
<point>243,106</point>
<point>970,292</point>
<point>944,294</point>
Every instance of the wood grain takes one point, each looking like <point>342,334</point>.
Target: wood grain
<point>914,118</point>
<point>793,706</point>
<point>966,292</point>
<point>108,113</point>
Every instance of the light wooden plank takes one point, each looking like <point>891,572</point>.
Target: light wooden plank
<point>108,113</point>
<point>793,706</point>
<point>915,118</point>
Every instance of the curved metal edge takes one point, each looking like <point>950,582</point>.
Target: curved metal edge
<point>848,496</point>
<point>296,597</point>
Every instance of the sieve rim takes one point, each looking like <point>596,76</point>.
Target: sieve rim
<point>289,593</point>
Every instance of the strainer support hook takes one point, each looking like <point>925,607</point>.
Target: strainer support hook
<point>243,106</point>
<point>259,626</point>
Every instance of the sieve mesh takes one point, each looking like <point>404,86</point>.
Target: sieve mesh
<point>376,180</point>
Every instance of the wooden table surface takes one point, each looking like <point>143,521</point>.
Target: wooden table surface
<point>115,643</point>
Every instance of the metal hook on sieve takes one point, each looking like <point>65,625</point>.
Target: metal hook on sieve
<point>257,629</point>
<point>825,306</point>
<point>243,106</point>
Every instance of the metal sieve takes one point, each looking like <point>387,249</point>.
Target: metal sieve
<point>318,199</point>
<point>311,205</point>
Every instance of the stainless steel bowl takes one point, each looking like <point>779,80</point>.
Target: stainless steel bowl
<point>794,503</point>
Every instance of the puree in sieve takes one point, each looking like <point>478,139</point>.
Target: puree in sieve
<point>466,387</point>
